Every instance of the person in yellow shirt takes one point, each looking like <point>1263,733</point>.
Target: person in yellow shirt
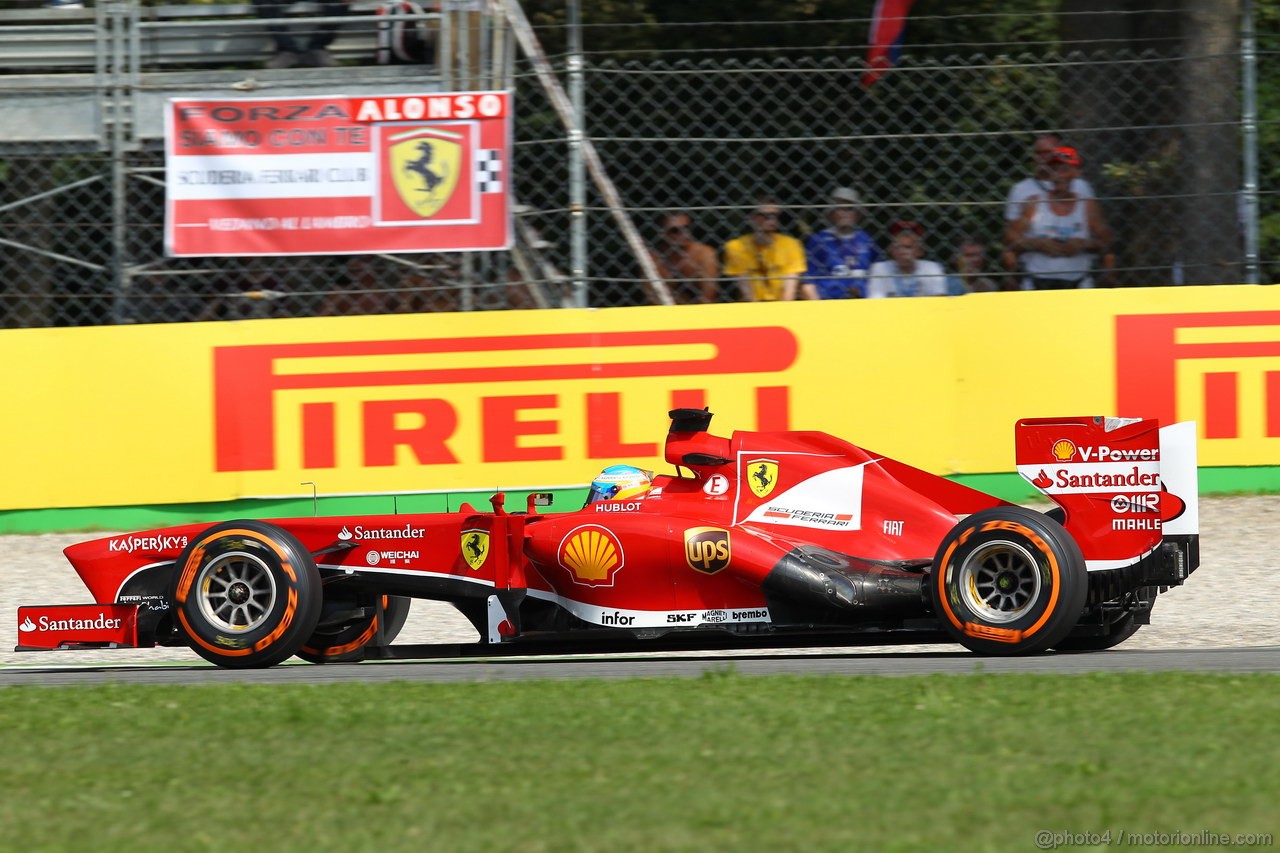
<point>767,265</point>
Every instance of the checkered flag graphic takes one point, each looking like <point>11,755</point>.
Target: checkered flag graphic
<point>489,170</point>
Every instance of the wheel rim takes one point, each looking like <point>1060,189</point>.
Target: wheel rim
<point>237,591</point>
<point>1000,581</point>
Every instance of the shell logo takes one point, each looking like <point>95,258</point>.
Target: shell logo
<point>1064,449</point>
<point>592,555</point>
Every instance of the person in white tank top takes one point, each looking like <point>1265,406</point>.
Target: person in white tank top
<point>1038,182</point>
<point>1059,235</point>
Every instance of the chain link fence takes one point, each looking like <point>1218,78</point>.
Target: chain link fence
<point>938,141</point>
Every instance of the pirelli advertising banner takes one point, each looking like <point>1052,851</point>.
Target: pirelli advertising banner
<point>439,402</point>
<point>338,175</point>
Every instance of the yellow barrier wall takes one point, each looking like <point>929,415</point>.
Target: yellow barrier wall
<point>117,416</point>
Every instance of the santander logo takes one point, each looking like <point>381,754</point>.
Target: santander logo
<point>27,625</point>
<point>361,533</point>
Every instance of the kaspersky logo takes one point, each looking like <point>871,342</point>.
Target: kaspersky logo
<point>592,555</point>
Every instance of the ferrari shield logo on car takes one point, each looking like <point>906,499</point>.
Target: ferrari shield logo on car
<point>762,476</point>
<point>475,547</point>
<point>425,163</point>
<point>592,555</point>
<point>706,549</point>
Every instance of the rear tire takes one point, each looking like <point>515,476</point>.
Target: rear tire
<point>1008,581</point>
<point>346,643</point>
<point>246,594</point>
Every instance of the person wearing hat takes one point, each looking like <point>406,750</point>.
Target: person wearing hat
<point>1059,235</point>
<point>840,255</point>
<point>1039,183</point>
<point>906,273</point>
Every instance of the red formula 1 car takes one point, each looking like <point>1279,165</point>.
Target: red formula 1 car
<point>794,538</point>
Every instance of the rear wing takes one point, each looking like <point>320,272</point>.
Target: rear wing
<point>1125,485</point>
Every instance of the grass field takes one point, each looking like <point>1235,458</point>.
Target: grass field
<point>723,762</point>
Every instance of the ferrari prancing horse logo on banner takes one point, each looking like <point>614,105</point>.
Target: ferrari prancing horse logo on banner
<point>762,476</point>
<point>425,163</point>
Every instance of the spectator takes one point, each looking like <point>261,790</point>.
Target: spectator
<point>690,268</point>
<point>1059,234</point>
<point>766,263</point>
<point>311,51</point>
<point>839,256</point>
<point>906,273</point>
<point>970,263</point>
<point>1039,183</point>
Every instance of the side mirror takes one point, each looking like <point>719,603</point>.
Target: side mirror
<point>539,499</point>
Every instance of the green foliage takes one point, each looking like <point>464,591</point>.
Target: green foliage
<point>747,27</point>
<point>1267,26</point>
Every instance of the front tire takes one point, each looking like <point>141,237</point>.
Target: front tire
<point>246,594</point>
<point>1008,581</point>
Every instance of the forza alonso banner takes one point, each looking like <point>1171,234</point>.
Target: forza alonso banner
<point>338,175</point>
<point>206,412</point>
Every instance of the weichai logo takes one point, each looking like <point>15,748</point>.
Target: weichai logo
<point>253,384</point>
<point>1227,362</point>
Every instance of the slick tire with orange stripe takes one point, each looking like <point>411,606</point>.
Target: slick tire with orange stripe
<point>346,642</point>
<point>246,594</point>
<point>1008,581</point>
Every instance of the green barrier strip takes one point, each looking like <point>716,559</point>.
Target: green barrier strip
<point>1011,487</point>
<point>143,517</point>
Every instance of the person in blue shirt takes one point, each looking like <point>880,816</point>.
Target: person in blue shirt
<point>840,256</point>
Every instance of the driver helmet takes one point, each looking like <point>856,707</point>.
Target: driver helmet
<point>619,482</point>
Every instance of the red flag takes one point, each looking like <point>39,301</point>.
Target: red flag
<point>884,43</point>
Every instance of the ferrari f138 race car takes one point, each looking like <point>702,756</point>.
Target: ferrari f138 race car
<point>795,537</point>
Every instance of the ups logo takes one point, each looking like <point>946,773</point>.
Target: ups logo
<point>706,549</point>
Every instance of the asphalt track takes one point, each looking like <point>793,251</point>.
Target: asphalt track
<point>827,662</point>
